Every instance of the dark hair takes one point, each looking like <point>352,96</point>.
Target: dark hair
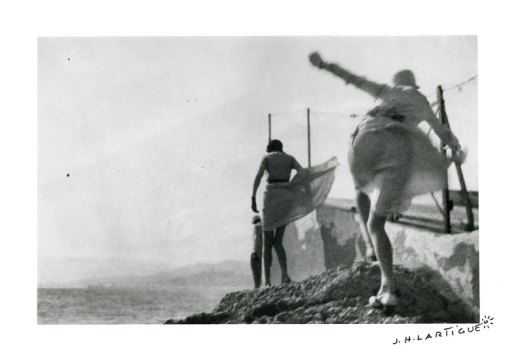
<point>274,145</point>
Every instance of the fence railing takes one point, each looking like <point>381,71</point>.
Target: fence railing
<point>292,130</point>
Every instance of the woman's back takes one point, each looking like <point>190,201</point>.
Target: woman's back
<point>407,102</point>
<point>279,166</point>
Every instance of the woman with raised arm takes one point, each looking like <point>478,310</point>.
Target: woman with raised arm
<point>391,161</point>
<point>287,200</point>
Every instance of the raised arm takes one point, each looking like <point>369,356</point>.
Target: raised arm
<point>361,83</point>
<point>442,131</point>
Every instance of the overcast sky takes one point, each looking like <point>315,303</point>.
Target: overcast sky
<point>147,147</point>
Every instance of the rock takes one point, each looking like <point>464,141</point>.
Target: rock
<point>341,297</point>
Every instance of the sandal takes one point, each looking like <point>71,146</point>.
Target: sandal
<point>370,256</point>
<point>382,301</point>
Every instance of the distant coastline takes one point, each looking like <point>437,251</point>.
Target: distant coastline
<point>147,299</point>
<point>228,273</point>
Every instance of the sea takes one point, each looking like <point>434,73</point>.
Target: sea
<point>108,305</point>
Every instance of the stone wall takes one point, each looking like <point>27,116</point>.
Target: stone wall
<point>330,237</point>
<point>455,257</point>
<point>304,247</point>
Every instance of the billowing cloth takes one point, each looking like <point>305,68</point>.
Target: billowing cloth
<point>391,160</point>
<point>395,163</point>
<point>289,201</point>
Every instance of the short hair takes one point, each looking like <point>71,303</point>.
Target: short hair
<point>274,145</point>
<point>406,78</point>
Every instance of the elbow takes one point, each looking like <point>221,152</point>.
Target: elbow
<point>258,179</point>
<point>255,186</point>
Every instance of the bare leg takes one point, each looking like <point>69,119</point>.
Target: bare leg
<point>280,252</point>
<point>383,249</point>
<point>268,255</point>
<point>363,205</point>
<point>256,267</point>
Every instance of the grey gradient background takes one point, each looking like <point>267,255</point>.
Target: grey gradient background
<point>161,137</point>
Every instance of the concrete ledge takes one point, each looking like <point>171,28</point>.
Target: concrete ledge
<point>455,257</point>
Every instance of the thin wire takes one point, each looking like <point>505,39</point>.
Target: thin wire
<point>354,115</point>
<point>350,115</point>
<point>432,104</point>
<point>431,128</point>
<point>460,85</point>
<point>456,86</point>
<point>289,112</point>
<point>437,204</point>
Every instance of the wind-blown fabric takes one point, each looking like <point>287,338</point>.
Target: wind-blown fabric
<point>391,159</point>
<point>395,163</point>
<point>289,201</point>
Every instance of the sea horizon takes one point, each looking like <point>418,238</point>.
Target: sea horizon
<point>125,305</point>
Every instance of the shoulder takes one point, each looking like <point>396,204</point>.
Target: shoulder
<point>408,95</point>
<point>264,158</point>
<point>290,158</point>
<point>419,99</point>
<point>409,91</point>
<point>263,163</point>
<point>284,155</point>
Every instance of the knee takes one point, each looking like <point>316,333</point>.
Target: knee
<point>267,257</point>
<point>361,196</point>
<point>376,224</point>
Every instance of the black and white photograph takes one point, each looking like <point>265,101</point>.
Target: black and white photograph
<point>270,180</point>
<point>307,180</point>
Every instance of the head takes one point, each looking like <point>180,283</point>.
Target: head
<point>256,220</point>
<point>274,145</point>
<point>405,78</point>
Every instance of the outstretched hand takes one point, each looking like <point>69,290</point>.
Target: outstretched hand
<point>459,155</point>
<point>316,60</point>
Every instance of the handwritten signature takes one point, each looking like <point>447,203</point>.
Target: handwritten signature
<point>486,322</point>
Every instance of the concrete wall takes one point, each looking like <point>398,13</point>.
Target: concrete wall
<point>330,237</point>
<point>455,257</point>
<point>304,247</point>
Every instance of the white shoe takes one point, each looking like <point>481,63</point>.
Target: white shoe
<point>382,300</point>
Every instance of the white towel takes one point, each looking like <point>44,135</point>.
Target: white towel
<point>290,201</point>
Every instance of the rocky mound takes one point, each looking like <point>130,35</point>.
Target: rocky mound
<point>340,297</point>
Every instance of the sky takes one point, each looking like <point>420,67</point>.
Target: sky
<point>148,147</point>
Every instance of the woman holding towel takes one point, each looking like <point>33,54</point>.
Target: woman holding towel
<point>287,200</point>
<point>392,160</point>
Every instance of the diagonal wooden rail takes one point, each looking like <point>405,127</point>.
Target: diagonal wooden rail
<point>462,197</point>
<point>447,204</point>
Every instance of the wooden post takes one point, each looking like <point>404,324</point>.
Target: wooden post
<point>445,193</point>
<point>309,136</point>
<point>458,167</point>
<point>269,121</point>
